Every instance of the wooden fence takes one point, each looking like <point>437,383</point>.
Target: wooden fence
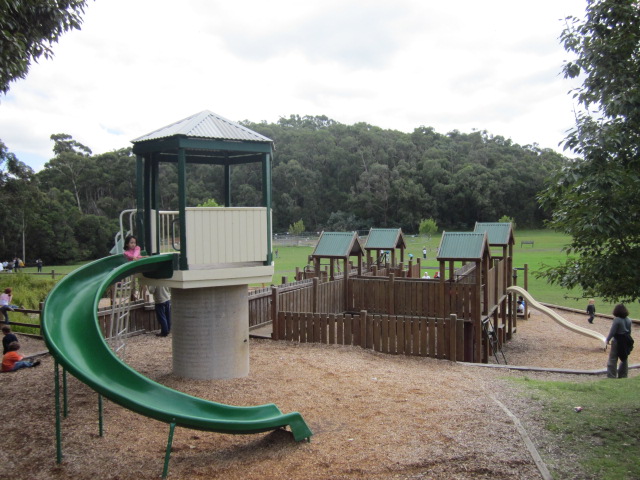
<point>394,334</point>
<point>142,317</point>
<point>414,297</point>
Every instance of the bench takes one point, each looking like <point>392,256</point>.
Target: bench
<point>526,242</point>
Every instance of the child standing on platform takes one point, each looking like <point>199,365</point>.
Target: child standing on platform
<point>131,248</point>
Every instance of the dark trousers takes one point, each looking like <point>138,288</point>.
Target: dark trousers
<point>163,314</point>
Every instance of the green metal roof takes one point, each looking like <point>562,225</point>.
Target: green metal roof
<point>500,233</point>
<point>338,244</point>
<point>208,125</point>
<point>385,238</point>
<point>463,246</point>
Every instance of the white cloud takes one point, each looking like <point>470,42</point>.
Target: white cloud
<point>137,66</point>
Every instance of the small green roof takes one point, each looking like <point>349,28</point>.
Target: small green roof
<point>463,246</point>
<point>500,233</point>
<point>338,245</point>
<point>385,239</point>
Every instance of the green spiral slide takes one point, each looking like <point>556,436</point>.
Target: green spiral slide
<point>72,334</point>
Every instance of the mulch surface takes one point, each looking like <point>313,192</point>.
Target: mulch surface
<point>374,416</point>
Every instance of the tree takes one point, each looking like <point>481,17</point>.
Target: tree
<point>594,198</point>
<point>428,227</point>
<point>297,228</point>
<point>29,30</point>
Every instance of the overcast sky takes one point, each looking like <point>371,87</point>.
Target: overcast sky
<point>138,65</point>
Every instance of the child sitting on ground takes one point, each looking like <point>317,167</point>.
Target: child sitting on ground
<point>12,360</point>
<point>7,338</point>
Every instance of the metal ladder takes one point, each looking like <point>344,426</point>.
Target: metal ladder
<point>492,337</point>
<point>120,309</point>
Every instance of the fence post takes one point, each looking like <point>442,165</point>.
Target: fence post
<point>284,280</point>
<point>391,306</point>
<point>314,293</point>
<point>453,335</point>
<point>53,274</point>
<point>274,313</point>
<point>363,328</point>
<point>459,340</point>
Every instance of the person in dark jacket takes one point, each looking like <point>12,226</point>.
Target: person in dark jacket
<point>7,338</point>
<point>620,329</point>
<point>591,310</point>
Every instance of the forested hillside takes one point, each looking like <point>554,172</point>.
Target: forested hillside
<point>329,175</point>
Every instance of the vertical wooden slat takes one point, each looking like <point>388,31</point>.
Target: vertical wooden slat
<point>347,330</point>
<point>393,337</point>
<point>384,333</point>
<point>332,329</point>
<point>423,337</point>
<point>440,337</point>
<point>400,334</point>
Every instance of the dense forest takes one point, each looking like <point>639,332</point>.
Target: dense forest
<point>329,175</point>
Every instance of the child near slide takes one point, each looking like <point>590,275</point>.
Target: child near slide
<point>131,248</point>
<point>591,310</point>
<point>12,360</point>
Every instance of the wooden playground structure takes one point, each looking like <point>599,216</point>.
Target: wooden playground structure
<point>464,315</point>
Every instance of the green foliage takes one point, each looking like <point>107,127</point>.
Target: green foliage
<point>508,219</point>
<point>594,198</point>
<point>28,290</point>
<point>29,30</point>
<point>297,228</point>
<point>211,202</point>
<point>428,227</point>
<point>603,434</point>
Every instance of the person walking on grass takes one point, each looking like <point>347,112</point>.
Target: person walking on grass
<point>621,343</point>
<point>591,309</point>
<point>12,360</point>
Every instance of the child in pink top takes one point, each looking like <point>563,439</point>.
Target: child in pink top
<point>131,248</point>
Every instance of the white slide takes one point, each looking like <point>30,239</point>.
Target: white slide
<point>547,311</point>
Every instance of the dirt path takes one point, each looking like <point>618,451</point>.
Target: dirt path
<point>374,416</point>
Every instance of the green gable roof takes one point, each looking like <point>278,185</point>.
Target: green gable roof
<point>500,233</point>
<point>385,238</point>
<point>463,246</point>
<point>338,244</point>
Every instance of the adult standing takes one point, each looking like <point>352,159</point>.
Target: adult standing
<point>162,299</point>
<point>39,265</point>
<point>424,253</point>
<point>618,336</point>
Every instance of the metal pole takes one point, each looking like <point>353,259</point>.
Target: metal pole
<point>100,422</point>
<point>56,381</point>
<point>167,455</point>
<point>64,393</point>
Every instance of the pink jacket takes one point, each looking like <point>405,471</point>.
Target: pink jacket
<point>132,254</point>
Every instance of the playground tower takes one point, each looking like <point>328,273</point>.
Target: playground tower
<point>219,250</point>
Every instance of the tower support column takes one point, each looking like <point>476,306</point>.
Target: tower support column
<point>210,332</point>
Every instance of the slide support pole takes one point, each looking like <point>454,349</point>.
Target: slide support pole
<point>167,455</point>
<point>56,381</point>
<point>100,422</point>
<point>64,393</point>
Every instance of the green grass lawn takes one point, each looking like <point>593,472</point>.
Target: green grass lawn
<point>547,249</point>
<point>604,434</point>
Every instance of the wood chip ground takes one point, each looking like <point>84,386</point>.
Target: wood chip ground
<point>374,416</point>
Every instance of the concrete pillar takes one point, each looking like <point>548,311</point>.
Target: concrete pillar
<point>210,332</point>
